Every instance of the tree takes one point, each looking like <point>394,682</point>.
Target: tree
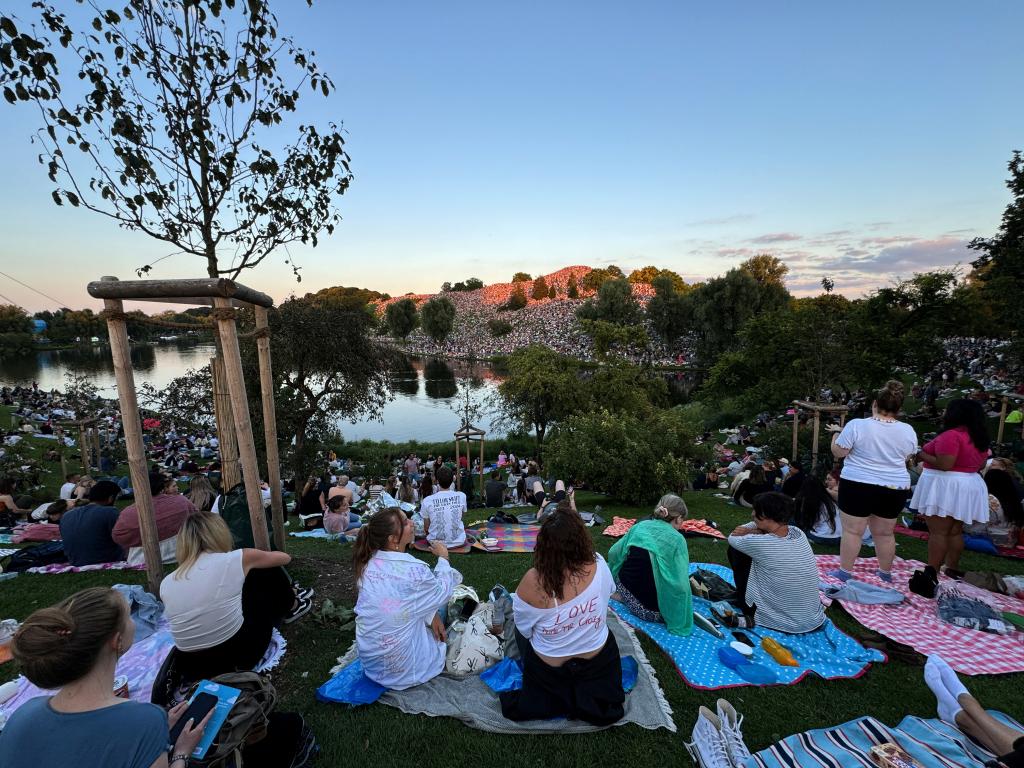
<point>499,327</point>
<point>516,301</point>
<point>15,329</point>
<point>542,387</point>
<point>438,318</point>
<point>1000,265</point>
<point>650,274</point>
<point>186,400</point>
<point>521,277</point>
<point>552,293</point>
<point>474,284</point>
<point>666,310</point>
<point>766,269</point>
<point>171,133</point>
<point>571,290</point>
<point>540,288</point>
<point>315,386</point>
<point>614,303</point>
<point>605,335</point>
<point>401,318</point>
<point>828,284</point>
<point>593,280</point>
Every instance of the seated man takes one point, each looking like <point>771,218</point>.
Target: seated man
<point>774,569</point>
<point>442,512</point>
<point>88,531</point>
<point>170,509</point>
<point>494,490</point>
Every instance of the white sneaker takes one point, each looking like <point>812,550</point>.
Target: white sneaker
<point>708,746</point>
<point>731,733</point>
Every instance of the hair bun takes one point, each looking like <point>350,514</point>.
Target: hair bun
<point>894,386</point>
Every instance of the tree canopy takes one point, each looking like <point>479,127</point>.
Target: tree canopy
<point>401,318</point>
<point>438,318</point>
<point>614,303</point>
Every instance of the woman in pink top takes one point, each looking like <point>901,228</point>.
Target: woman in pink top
<point>950,492</point>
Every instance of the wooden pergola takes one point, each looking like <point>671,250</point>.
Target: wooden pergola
<point>1006,398</point>
<point>817,409</point>
<point>468,433</point>
<point>233,421</point>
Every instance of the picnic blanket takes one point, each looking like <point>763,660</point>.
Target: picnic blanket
<point>470,700</point>
<point>931,743</point>
<point>511,538</point>
<point>67,568</point>
<point>424,546</point>
<point>141,664</point>
<point>620,527</point>
<point>1014,552</point>
<point>827,652</point>
<point>8,552</point>
<point>318,533</point>
<point>915,621</point>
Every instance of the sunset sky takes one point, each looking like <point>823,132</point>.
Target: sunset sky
<point>863,141</point>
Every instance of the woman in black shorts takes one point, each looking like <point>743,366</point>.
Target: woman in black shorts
<point>548,504</point>
<point>874,484</point>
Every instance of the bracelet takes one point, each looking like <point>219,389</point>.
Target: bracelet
<point>183,757</point>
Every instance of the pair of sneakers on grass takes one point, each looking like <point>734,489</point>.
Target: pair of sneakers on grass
<point>718,738</point>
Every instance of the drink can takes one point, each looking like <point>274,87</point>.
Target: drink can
<point>121,686</point>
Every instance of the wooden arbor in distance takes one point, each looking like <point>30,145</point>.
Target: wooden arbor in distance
<point>1006,398</point>
<point>469,434</point>
<point>223,295</point>
<point>817,409</point>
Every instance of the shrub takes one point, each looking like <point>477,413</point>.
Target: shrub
<point>499,327</point>
<point>515,302</point>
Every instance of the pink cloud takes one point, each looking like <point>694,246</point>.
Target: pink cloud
<point>775,237</point>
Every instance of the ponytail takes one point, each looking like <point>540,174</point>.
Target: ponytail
<point>61,644</point>
<point>374,535</point>
<point>890,397</point>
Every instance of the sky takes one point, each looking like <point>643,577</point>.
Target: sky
<point>860,141</point>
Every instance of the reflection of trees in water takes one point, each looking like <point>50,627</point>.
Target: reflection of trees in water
<point>405,379</point>
<point>440,378</point>
<point>681,385</point>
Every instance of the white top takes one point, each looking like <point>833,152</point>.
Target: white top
<point>204,607</point>
<point>574,627</point>
<point>398,598</point>
<point>878,452</point>
<point>66,490</point>
<point>444,510</point>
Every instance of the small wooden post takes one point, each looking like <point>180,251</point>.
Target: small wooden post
<point>95,433</point>
<point>814,446</point>
<point>270,427</point>
<point>243,425</point>
<point>457,451</point>
<point>137,467</point>
<point>59,431</point>
<point>230,475</point>
<point>796,430</point>
<point>1002,419</point>
<point>481,466</point>
<point>84,449</point>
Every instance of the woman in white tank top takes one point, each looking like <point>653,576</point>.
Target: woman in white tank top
<point>571,664</point>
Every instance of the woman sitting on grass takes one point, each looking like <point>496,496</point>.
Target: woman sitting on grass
<point>571,664</point>
<point>223,604</point>
<point>651,566</point>
<point>201,493</point>
<point>339,518</point>
<point>774,569</point>
<point>74,646</point>
<point>756,482</point>
<point>400,635</point>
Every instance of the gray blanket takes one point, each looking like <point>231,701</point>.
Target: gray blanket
<point>471,701</point>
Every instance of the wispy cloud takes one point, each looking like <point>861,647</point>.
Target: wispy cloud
<point>775,237</point>
<point>736,218</point>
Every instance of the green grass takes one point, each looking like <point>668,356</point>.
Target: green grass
<point>381,736</point>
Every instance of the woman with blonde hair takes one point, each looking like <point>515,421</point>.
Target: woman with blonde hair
<point>223,604</point>
<point>201,493</point>
<point>651,566</point>
<point>73,648</point>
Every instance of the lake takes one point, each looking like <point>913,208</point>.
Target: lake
<point>426,389</point>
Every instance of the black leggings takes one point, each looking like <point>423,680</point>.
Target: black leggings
<point>581,689</point>
<point>740,563</point>
<point>267,597</point>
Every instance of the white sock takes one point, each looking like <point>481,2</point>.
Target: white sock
<point>950,678</point>
<point>948,706</point>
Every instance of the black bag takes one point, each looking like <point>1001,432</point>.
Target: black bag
<point>234,508</point>
<point>47,553</point>
<point>712,587</point>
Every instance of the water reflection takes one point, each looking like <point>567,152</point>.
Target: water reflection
<point>440,380</point>
<point>405,379</point>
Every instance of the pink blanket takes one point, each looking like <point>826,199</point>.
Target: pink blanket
<point>915,622</point>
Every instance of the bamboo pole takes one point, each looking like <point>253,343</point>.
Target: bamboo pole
<point>243,426</point>
<point>481,467</point>
<point>1002,419</point>
<point>83,450</point>
<point>132,422</point>
<point>95,433</point>
<point>796,430</point>
<point>230,475</point>
<point>270,428</point>
<point>814,447</point>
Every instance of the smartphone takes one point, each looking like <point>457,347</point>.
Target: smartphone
<point>197,710</point>
<point>743,639</point>
<point>468,606</point>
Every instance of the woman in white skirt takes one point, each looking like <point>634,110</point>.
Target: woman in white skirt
<point>951,493</point>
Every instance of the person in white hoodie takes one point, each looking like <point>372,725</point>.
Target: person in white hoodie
<point>400,635</point>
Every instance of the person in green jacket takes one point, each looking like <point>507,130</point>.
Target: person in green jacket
<point>651,566</point>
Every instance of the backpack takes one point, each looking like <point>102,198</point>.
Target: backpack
<point>246,722</point>
<point>48,553</point>
<point>234,508</point>
<point>711,586</point>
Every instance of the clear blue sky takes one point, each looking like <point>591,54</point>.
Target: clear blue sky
<point>859,140</point>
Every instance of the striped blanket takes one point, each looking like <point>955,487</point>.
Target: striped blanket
<point>915,621</point>
<point>932,744</point>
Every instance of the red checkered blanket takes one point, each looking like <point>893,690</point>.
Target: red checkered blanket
<point>621,525</point>
<point>915,622</point>
<point>1015,552</point>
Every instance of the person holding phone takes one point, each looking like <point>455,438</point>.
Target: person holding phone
<point>74,646</point>
<point>400,634</point>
